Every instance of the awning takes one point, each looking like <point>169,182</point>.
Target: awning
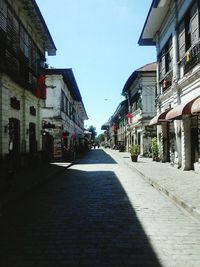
<point>196,106</point>
<point>159,118</point>
<point>182,109</point>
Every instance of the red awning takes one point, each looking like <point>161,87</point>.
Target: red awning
<point>182,109</point>
<point>159,118</point>
<point>196,106</point>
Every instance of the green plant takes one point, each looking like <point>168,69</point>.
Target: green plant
<point>135,150</point>
<point>154,147</point>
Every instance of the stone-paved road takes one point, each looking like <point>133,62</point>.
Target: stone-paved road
<point>98,213</point>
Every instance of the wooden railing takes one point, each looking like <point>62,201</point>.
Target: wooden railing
<point>191,58</point>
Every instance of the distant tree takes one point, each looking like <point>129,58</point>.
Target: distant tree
<point>92,129</point>
<point>100,138</point>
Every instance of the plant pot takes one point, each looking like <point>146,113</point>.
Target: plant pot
<point>156,158</point>
<point>134,158</point>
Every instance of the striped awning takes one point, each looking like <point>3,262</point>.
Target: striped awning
<point>159,118</point>
<point>195,109</point>
<point>182,109</point>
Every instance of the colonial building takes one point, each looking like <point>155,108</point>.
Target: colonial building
<point>173,26</point>
<point>106,127</point>
<point>63,114</point>
<point>118,124</point>
<point>25,39</point>
<point>139,91</point>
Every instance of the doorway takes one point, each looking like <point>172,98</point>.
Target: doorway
<point>32,138</point>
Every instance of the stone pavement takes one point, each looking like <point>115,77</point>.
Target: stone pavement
<point>98,213</point>
<point>28,179</point>
<point>183,187</point>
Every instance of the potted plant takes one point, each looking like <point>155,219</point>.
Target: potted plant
<point>155,150</point>
<point>134,150</point>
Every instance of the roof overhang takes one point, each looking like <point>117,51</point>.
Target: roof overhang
<point>105,126</point>
<point>33,11</point>
<point>129,82</point>
<point>182,109</point>
<point>159,118</point>
<point>69,79</point>
<point>155,16</point>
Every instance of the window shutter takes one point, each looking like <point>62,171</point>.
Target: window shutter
<point>194,22</point>
<point>181,36</point>
<point>3,15</point>
<point>170,55</point>
<point>163,66</point>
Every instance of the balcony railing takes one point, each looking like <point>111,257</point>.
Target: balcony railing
<point>191,58</point>
<point>23,68</point>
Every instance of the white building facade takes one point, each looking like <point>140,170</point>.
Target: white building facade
<point>173,26</point>
<point>64,113</point>
<point>25,39</point>
<point>140,93</point>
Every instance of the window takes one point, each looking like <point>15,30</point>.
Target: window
<point>12,31</point>
<point>24,42</point>
<point>3,15</point>
<point>168,56</point>
<point>62,104</point>
<point>67,106</point>
<point>181,33</point>
<point>165,59</point>
<point>188,30</point>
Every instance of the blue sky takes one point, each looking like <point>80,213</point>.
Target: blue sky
<point>98,40</point>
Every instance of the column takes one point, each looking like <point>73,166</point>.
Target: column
<point>186,142</point>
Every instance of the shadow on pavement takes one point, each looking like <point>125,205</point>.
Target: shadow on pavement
<point>79,219</point>
<point>25,180</point>
<point>97,156</point>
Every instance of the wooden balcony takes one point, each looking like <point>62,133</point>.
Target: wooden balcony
<point>15,64</point>
<point>191,58</point>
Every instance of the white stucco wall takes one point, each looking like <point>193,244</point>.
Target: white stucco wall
<point>10,89</point>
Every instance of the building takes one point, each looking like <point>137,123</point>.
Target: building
<point>106,127</point>
<point>173,27</point>
<point>63,115</point>
<point>139,91</point>
<point>118,122</point>
<point>25,39</point>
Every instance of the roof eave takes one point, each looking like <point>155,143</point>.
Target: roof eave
<point>146,42</point>
<point>153,20</point>
<point>49,45</point>
<point>129,82</point>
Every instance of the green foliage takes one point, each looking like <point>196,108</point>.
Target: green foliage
<point>100,138</point>
<point>92,129</point>
<point>154,147</point>
<point>135,150</point>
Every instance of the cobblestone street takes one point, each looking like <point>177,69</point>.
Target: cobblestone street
<point>98,213</point>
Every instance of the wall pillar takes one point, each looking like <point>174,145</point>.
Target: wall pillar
<point>186,142</point>
<point>142,143</point>
<point>164,149</point>
<point>177,126</point>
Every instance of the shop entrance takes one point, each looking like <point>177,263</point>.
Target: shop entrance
<point>14,136</point>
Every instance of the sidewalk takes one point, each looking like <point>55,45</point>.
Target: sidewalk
<point>183,187</point>
<point>30,178</point>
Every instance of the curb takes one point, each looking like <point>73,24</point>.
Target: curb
<point>176,199</point>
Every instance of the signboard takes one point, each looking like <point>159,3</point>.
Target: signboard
<point>57,151</point>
